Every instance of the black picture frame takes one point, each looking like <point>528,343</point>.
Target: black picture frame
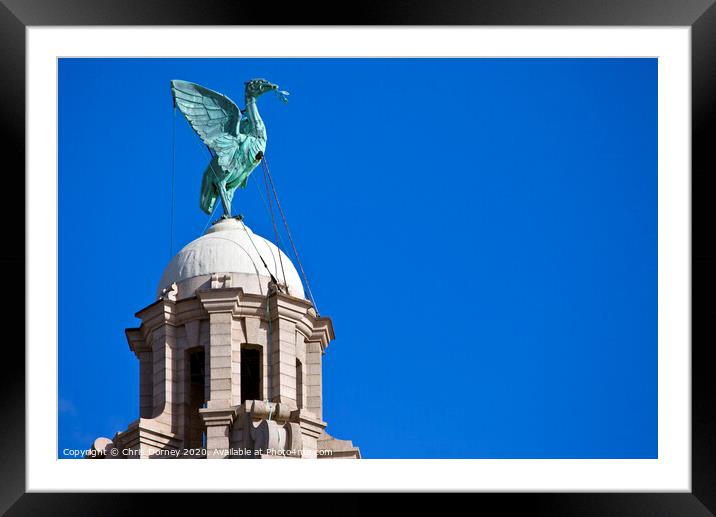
<point>700,15</point>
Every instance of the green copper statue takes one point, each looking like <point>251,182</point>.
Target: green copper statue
<point>236,138</point>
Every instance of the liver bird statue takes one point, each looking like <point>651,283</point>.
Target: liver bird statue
<point>236,138</point>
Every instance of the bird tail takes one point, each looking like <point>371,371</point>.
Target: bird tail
<point>209,192</point>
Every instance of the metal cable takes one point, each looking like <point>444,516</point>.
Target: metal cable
<point>288,232</point>
<point>273,278</point>
<point>273,221</point>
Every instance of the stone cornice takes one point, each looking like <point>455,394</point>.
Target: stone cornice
<point>302,313</point>
<point>219,416</point>
<point>287,307</point>
<point>323,331</point>
<point>149,432</point>
<point>222,299</point>
<point>252,305</point>
<point>310,424</point>
<point>161,312</point>
<point>189,309</point>
<point>136,341</point>
<point>233,300</point>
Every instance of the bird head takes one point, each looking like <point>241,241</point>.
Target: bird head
<point>257,87</point>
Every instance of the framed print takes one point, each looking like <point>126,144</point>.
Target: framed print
<point>466,257</point>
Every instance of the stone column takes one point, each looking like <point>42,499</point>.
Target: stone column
<point>283,314</point>
<point>159,364</point>
<point>218,431</point>
<point>140,348</point>
<point>146,386</point>
<point>218,416</point>
<point>321,335</point>
<point>220,385</point>
<point>220,304</point>
<point>314,378</point>
<point>162,373</point>
<point>161,377</point>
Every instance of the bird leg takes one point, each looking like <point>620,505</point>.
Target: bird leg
<point>224,200</point>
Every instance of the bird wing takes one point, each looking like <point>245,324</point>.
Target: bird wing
<point>238,160</point>
<point>212,115</point>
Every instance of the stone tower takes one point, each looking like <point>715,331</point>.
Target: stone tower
<point>230,358</point>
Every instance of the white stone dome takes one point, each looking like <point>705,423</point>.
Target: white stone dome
<point>230,246</point>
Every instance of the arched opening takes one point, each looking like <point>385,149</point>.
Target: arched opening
<point>250,373</point>
<point>196,397</point>
<point>299,384</point>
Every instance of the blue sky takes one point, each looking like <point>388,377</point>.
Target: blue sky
<point>483,233</point>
